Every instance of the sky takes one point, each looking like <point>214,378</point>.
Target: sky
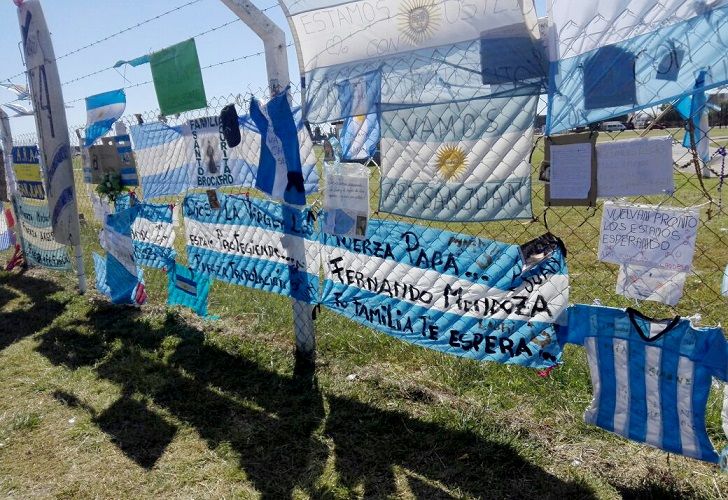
<point>76,23</point>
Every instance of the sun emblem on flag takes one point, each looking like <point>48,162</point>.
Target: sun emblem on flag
<point>418,20</point>
<point>451,162</point>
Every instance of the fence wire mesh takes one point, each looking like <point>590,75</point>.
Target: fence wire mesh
<point>578,227</point>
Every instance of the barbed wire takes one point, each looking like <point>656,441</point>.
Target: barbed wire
<point>198,35</point>
<point>220,63</point>
<point>113,35</point>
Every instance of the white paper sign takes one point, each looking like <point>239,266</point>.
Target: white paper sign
<point>649,283</point>
<point>648,236</point>
<point>571,173</point>
<point>634,167</point>
<point>346,201</point>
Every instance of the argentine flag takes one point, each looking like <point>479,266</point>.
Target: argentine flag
<point>124,281</point>
<point>280,174</point>
<point>102,110</point>
<point>694,109</point>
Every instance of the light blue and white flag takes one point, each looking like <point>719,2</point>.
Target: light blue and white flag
<point>280,173</point>
<point>360,137</point>
<point>612,58</point>
<point>102,110</point>
<point>255,243</point>
<point>123,277</point>
<point>173,159</point>
<point>471,160</point>
<point>152,234</point>
<point>361,132</point>
<point>693,108</point>
<point>454,293</point>
<point>39,245</point>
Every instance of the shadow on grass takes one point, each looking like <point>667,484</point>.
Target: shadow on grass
<point>20,323</point>
<point>276,426</point>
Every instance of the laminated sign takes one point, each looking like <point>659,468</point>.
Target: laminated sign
<point>112,157</point>
<point>454,293</point>
<point>254,243</point>
<point>346,200</point>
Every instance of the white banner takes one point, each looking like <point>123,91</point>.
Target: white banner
<point>648,236</point>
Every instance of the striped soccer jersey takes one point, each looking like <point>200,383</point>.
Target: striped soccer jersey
<point>651,378</point>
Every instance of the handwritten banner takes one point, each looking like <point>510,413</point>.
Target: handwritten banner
<point>152,235</point>
<point>254,243</point>
<point>648,236</point>
<point>454,293</point>
<point>40,248</point>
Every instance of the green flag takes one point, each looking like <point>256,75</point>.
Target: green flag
<point>178,78</point>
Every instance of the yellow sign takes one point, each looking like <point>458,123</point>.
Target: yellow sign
<point>28,172</point>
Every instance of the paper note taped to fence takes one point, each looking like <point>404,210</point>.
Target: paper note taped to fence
<point>571,171</point>
<point>635,167</point>
<point>648,236</point>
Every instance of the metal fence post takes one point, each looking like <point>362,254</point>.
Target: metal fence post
<point>276,62</point>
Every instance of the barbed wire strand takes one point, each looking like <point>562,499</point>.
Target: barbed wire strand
<point>113,35</point>
<point>220,63</point>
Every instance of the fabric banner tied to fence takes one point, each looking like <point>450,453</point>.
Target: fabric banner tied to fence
<point>454,293</point>
<point>172,159</point>
<point>254,243</point>
<point>152,235</point>
<point>119,273</point>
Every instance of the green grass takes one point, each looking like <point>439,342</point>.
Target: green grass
<point>103,401</point>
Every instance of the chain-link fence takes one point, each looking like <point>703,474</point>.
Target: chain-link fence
<point>578,227</point>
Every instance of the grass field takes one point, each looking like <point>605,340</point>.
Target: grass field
<point>102,401</point>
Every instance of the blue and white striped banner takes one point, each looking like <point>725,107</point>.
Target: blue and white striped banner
<point>102,110</point>
<point>424,51</point>
<point>255,243</point>
<point>454,293</point>
<point>123,278</point>
<point>152,234</point>
<point>613,58</point>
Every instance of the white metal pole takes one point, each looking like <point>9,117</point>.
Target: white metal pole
<point>276,62</point>
<point>44,84</point>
